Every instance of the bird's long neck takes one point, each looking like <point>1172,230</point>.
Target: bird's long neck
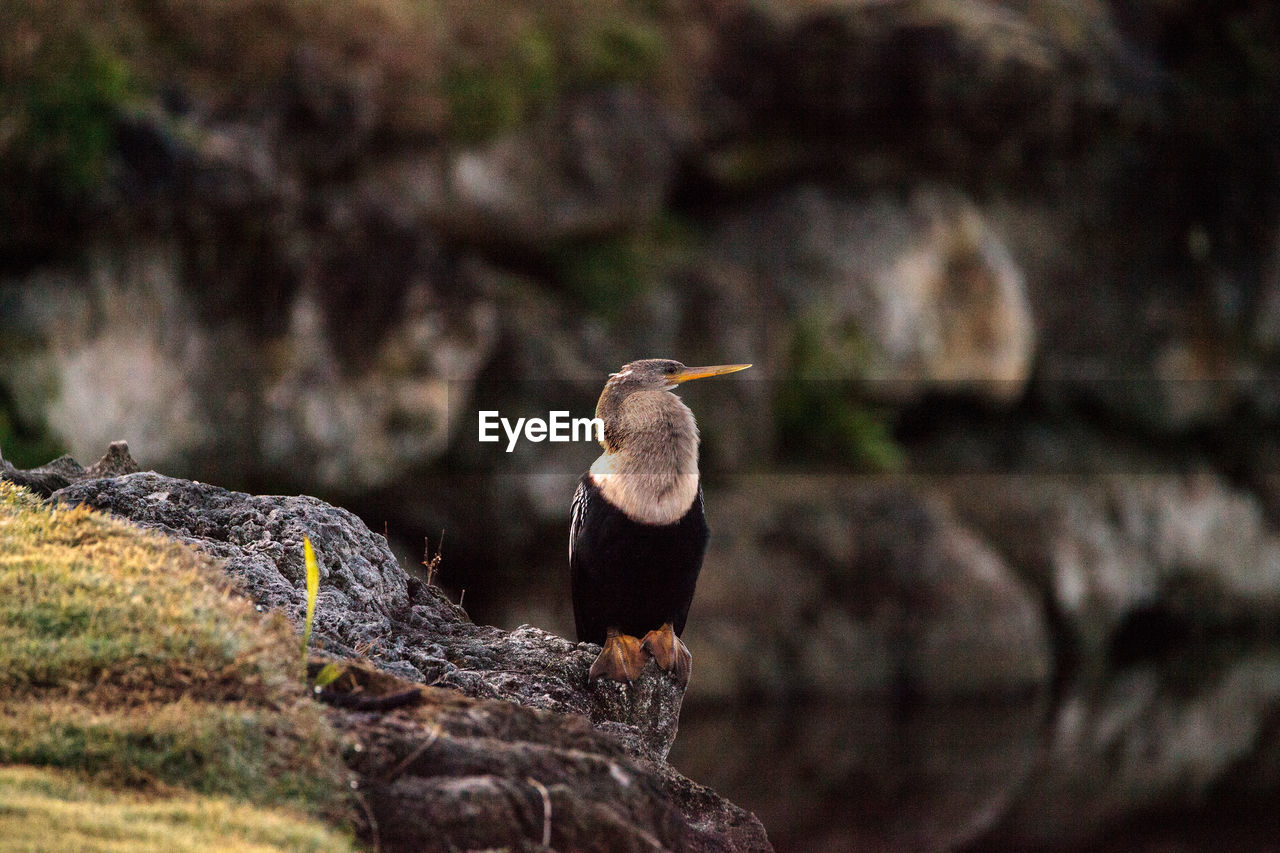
<point>649,469</point>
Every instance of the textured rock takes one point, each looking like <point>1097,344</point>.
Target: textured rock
<point>598,163</point>
<point>368,607</point>
<point>905,297</point>
<point>146,353</point>
<point>456,773</point>
<point>115,353</point>
<point>1108,548</point>
<point>64,470</point>
<point>396,408</point>
<point>968,86</point>
<point>1164,589</point>
<point>843,587</point>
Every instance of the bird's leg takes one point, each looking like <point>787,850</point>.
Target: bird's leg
<point>621,660</point>
<point>669,653</point>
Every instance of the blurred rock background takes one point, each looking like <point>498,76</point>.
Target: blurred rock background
<point>995,560</point>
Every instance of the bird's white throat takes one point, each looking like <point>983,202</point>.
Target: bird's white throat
<point>653,475</point>
<point>643,495</point>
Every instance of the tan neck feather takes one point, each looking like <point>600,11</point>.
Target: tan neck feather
<point>652,475</point>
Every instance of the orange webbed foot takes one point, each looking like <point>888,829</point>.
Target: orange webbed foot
<point>622,659</point>
<point>669,653</point>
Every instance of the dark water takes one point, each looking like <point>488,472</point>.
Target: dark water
<point>889,775</point>
<point>878,774</point>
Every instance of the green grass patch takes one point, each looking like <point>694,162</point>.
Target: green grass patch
<point>43,811</point>
<point>129,658</point>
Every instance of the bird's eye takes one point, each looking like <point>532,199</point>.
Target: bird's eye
<point>669,369</point>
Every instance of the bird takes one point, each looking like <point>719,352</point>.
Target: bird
<point>638,532</point>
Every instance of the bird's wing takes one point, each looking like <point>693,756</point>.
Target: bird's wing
<point>576,516</point>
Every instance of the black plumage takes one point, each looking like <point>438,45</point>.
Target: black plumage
<point>630,575</point>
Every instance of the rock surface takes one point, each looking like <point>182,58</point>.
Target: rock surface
<point>493,774</point>
<point>522,733</point>
<point>64,470</point>
<point>885,593</point>
<point>905,297</point>
<point>1118,548</point>
<point>599,163</point>
<point>1164,589</point>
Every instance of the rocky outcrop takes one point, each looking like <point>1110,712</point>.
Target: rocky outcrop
<point>368,608</point>
<point>1164,590</point>
<point>903,297</point>
<point>884,593</point>
<point>456,773</point>
<point>64,470</point>
<point>520,746</point>
<point>201,388</point>
<point>597,164</point>
<point>1111,552</point>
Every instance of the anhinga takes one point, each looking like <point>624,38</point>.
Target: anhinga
<point>638,532</point>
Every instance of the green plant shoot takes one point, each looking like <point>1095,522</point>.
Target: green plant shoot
<point>313,589</point>
<point>328,674</point>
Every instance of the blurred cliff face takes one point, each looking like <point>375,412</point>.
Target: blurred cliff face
<point>292,246</point>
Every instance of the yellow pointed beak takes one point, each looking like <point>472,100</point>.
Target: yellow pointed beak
<point>703,372</point>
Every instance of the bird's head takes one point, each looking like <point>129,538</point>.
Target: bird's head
<point>660,374</point>
<point>633,402</point>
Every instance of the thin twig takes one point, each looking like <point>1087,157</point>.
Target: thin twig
<point>546,809</point>
<point>432,561</point>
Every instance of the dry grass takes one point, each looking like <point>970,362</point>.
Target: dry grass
<point>44,810</point>
<point>125,657</point>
